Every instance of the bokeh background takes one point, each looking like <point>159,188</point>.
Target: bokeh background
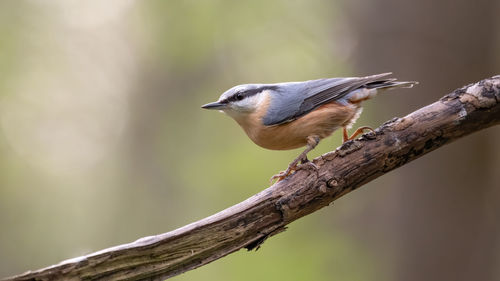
<point>102,139</point>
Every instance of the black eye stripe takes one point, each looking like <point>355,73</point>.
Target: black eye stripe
<point>240,95</point>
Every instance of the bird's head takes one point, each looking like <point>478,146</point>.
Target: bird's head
<point>242,99</point>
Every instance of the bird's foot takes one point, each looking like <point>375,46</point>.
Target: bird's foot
<point>360,130</point>
<point>283,174</point>
<point>312,141</point>
<point>305,165</point>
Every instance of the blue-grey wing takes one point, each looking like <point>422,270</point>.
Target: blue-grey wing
<point>293,100</point>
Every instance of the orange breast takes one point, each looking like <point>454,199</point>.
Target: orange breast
<point>321,122</point>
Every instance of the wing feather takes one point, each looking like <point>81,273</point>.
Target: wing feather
<point>294,100</point>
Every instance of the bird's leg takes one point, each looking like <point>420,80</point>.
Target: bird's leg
<point>312,142</point>
<point>345,136</point>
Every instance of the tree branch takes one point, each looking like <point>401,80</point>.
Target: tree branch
<point>249,223</point>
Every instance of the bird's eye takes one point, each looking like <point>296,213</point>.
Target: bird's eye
<point>239,96</point>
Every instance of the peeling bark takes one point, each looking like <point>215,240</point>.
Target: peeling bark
<point>249,223</point>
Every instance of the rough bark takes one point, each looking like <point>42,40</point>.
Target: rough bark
<point>249,223</point>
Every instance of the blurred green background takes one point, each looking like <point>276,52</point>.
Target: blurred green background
<point>102,139</point>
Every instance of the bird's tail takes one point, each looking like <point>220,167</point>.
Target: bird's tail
<point>373,84</point>
<point>390,83</point>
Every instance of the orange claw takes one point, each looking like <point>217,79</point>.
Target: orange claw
<point>283,174</point>
<point>345,136</point>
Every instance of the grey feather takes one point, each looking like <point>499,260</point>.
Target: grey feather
<point>292,100</point>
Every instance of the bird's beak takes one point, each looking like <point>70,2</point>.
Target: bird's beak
<point>214,105</point>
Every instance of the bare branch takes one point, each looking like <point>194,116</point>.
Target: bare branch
<point>249,223</point>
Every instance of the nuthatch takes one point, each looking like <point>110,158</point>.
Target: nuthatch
<point>289,115</point>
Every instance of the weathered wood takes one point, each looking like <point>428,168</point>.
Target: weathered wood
<point>249,223</point>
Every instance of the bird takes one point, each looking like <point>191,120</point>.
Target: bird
<point>289,115</point>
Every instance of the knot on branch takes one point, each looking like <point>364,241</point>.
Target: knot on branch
<point>481,95</point>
